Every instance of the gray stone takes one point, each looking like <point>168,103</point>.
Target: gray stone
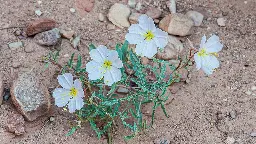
<point>134,18</point>
<point>123,90</point>
<point>253,134</point>
<point>132,3</point>
<point>30,96</point>
<point>173,49</point>
<point>119,14</point>
<point>172,6</point>
<point>221,22</point>
<point>48,38</point>
<point>196,17</point>
<point>177,24</point>
<point>15,45</point>
<point>232,114</point>
<point>253,88</point>
<point>1,88</point>
<point>30,47</point>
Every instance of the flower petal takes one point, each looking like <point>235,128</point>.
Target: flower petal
<point>203,41</point>
<point>147,23</point>
<point>198,61</point>
<point>133,38</point>
<point>213,44</point>
<point>61,96</point>
<point>113,57</point>
<point>78,84</point>
<point>112,76</point>
<point>210,63</point>
<point>99,54</point>
<point>75,104</point>
<point>95,70</point>
<point>161,38</point>
<point>148,49</point>
<point>136,29</point>
<point>66,80</point>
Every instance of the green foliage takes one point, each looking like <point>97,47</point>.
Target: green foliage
<point>104,107</point>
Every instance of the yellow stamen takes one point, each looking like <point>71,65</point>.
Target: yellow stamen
<point>202,53</point>
<point>107,64</point>
<point>73,92</point>
<point>149,35</point>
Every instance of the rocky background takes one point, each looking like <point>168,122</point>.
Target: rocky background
<point>216,109</point>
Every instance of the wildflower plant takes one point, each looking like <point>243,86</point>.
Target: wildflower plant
<point>92,97</point>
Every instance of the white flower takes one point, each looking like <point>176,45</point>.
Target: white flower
<point>105,63</point>
<point>205,58</point>
<point>72,93</point>
<point>146,37</point>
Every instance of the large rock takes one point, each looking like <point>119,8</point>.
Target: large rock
<point>40,25</point>
<point>30,97</point>
<point>119,14</point>
<point>49,38</point>
<point>1,88</point>
<point>173,49</point>
<point>196,17</point>
<point>177,24</point>
<point>134,18</point>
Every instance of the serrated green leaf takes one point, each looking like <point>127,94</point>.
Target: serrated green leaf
<point>72,131</point>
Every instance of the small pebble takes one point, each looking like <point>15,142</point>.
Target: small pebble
<point>38,13</point>
<point>51,119</point>
<point>132,3</point>
<point>72,10</point>
<point>230,140</point>
<point>248,92</point>
<point>232,114</point>
<point>253,134</point>
<point>138,6</point>
<point>253,88</point>
<point>102,18</point>
<point>221,22</point>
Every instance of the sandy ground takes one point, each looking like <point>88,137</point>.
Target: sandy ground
<point>200,112</point>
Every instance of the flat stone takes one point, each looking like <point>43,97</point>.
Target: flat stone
<point>123,90</point>
<point>177,24</point>
<point>1,88</point>
<point>173,49</point>
<point>15,124</point>
<point>30,47</point>
<point>153,12</point>
<point>119,14</point>
<point>67,34</point>
<point>196,17</point>
<point>30,96</point>
<point>221,22</point>
<point>48,38</point>
<point>134,18</point>
<point>15,45</point>
<point>40,25</point>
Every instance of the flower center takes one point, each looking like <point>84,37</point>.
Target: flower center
<point>149,35</point>
<point>73,92</point>
<point>202,52</point>
<point>107,64</point>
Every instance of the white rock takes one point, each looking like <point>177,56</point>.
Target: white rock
<point>230,140</point>
<point>38,13</point>
<point>132,3</point>
<point>138,6</point>
<point>172,6</point>
<point>248,92</point>
<point>122,90</point>
<point>253,88</point>
<point>177,24</point>
<point>119,14</point>
<point>15,45</point>
<point>221,22</point>
<point>102,18</point>
<point>173,49</point>
<point>196,17</point>
<point>253,134</point>
<point>72,10</point>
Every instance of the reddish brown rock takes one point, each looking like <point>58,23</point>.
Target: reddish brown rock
<point>30,96</point>
<point>15,124</point>
<point>84,6</point>
<point>40,25</point>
